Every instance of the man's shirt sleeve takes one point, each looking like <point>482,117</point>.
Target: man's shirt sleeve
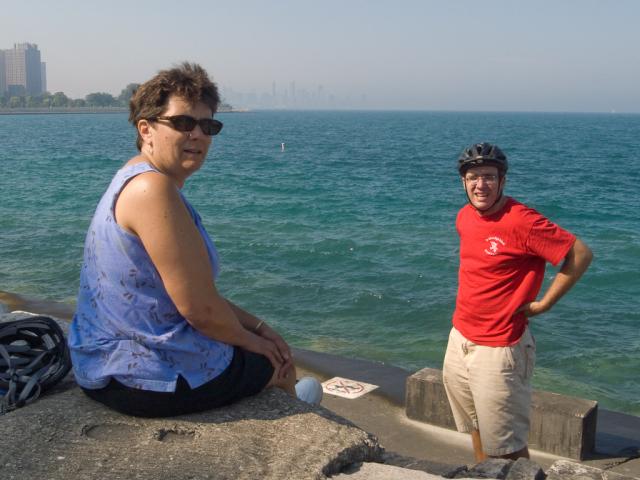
<point>549,241</point>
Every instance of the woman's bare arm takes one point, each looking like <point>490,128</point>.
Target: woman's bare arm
<point>151,208</point>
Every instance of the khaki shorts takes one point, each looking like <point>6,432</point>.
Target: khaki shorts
<point>489,389</point>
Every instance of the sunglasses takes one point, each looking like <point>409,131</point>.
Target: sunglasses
<point>185,123</point>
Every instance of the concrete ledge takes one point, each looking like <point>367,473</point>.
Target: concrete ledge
<point>563,425</point>
<point>64,435</point>
<point>560,424</point>
<point>426,399</point>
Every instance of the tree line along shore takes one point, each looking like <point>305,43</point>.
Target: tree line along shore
<point>48,110</point>
<point>58,102</point>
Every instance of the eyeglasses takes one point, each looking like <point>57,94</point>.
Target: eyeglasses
<point>185,123</point>
<point>486,178</point>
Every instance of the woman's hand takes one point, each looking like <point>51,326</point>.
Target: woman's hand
<point>270,334</point>
<point>258,327</point>
<point>269,349</point>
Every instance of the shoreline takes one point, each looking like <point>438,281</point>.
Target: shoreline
<point>13,301</point>
<point>382,413</point>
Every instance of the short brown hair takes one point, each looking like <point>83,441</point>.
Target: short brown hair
<point>189,81</point>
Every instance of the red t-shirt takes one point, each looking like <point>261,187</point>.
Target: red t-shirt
<point>502,262</point>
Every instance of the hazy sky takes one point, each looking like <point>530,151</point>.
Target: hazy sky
<point>549,55</point>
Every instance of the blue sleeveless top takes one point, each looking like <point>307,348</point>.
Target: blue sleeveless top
<point>125,325</point>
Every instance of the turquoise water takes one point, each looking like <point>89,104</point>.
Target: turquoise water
<point>345,241</point>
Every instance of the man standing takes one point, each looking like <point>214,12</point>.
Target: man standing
<point>504,246</point>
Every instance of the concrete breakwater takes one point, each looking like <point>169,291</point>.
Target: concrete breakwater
<point>66,435</point>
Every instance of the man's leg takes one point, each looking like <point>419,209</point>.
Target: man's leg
<point>455,377</point>
<point>480,456</point>
<point>500,381</point>
<point>476,441</point>
<point>524,453</point>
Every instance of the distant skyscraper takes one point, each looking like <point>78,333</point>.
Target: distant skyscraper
<point>292,92</point>
<point>23,70</point>
<point>3,74</point>
<point>43,76</point>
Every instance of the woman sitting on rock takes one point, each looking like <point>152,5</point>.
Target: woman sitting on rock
<point>152,336</point>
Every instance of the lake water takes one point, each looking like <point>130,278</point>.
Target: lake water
<point>345,241</point>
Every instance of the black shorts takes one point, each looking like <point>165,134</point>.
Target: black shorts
<point>247,374</point>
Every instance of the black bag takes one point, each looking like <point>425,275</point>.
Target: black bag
<point>33,357</point>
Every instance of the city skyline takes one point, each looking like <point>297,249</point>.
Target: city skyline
<point>291,97</point>
<point>573,55</point>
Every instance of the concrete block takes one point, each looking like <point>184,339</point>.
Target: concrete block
<point>563,425</point>
<point>426,399</point>
<point>560,424</point>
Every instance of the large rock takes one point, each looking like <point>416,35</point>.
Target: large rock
<point>490,468</point>
<point>428,466</point>
<point>66,435</point>
<point>379,471</point>
<point>565,470</point>
<point>525,469</point>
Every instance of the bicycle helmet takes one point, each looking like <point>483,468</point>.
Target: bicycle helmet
<point>33,357</point>
<point>482,154</point>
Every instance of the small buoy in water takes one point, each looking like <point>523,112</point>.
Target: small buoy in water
<point>282,147</point>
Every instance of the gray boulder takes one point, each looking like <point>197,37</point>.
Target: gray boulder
<point>66,435</point>
<point>491,468</point>
<point>524,469</point>
<point>435,468</point>
<point>379,471</point>
<point>563,469</point>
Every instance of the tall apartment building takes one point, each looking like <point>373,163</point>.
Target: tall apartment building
<point>43,75</point>
<point>3,74</point>
<point>23,70</point>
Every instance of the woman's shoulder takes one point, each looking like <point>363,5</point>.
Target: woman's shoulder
<point>144,179</point>
<point>148,195</point>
